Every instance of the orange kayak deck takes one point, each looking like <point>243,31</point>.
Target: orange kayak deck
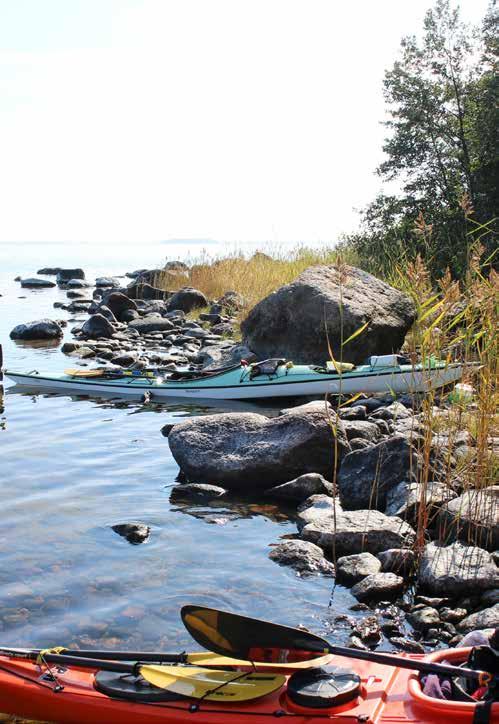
<point>388,696</point>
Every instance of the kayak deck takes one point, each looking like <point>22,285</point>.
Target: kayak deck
<point>388,695</point>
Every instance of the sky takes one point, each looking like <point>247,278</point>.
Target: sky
<point>134,121</point>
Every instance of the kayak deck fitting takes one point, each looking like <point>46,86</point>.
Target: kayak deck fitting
<point>239,383</point>
<point>384,695</point>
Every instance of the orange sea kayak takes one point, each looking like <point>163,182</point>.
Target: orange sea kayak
<point>373,694</point>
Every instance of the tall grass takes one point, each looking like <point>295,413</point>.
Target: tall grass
<point>253,277</point>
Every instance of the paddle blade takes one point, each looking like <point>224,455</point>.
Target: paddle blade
<point>230,634</point>
<point>209,659</point>
<point>222,686</point>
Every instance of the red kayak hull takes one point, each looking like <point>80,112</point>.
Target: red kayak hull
<point>389,696</point>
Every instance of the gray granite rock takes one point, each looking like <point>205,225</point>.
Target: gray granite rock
<point>248,451</point>
<point>352,569</point>
<point>301,488</point>
<point>355,531</point>
<point>367,476</point>
<point>456,569</point>
<point>378,586</point>
<point>303,556</point>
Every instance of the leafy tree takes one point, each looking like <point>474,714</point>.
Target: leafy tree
<point>441,96</point>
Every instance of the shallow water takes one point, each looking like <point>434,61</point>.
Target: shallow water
<point>71,467</point>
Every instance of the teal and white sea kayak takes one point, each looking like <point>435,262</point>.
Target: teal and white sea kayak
<point>238,383</point>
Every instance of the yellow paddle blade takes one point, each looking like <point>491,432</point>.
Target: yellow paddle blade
<point>212,685</point>
<point>209,659</point>
<point>83,373</point>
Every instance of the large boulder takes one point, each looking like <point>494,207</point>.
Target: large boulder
<point>367,475</point>
<point>355,531</point>
<point>473,517</point>
<point>39,329</point>
<point>252,452</point>
<point>456,570</point>
<point>97,326</point>
<point>225,355</point>
<point>325,305</point>
<point>187,299</point>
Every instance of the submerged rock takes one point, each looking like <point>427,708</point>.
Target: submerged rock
<point>252,452</point>
<point>39,329</point>
<point>303,556</point>
<point>456,569</point>
<point>301,319</point>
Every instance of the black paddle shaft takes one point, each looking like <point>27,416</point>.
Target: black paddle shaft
<point>149,656</point>
<point>247,638</point>
<point>63,660</point>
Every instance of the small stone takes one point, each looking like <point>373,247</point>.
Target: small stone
<point>35,283</point>
<point>368,630</point>
<point>452,615</point>
<point>134,533</point>
<point>397,560</point>
<point>407,645</point>
<point>423,618</point>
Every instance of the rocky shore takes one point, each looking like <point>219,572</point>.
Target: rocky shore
<point>380,500</point>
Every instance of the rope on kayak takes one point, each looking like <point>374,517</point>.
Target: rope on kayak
<point>41,661</point>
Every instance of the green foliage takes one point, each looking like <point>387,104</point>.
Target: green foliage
<point>441,96</point>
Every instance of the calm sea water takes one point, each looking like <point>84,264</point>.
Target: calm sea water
<point>70,468</point>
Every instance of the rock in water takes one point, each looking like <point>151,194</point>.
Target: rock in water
<point>39,329</point>
<point>301,488</point>
<point>135,533</point>
<point>247,451</point>
<point>297,320</point>
<point>98,326</point>
<point>34,283</point>
<point>456,570</point>
<point>378,586</point>
<point>187,299</point>
<point>301,555</point>
<point>64,275</point>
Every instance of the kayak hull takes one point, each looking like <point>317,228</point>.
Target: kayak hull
<point>235,385</point>
<point>387,695</point>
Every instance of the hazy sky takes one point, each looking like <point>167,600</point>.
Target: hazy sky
<point>142,120</point>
